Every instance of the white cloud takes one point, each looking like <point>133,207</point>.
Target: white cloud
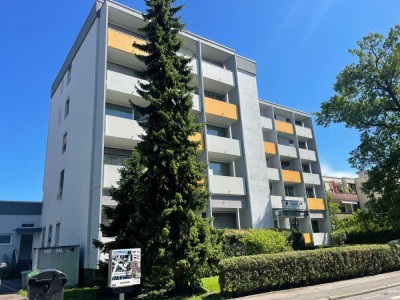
<point>327,170</point>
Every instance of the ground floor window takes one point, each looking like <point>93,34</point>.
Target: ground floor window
<point>315,226</point>
<point>5,238</point>
<point>225,220</point>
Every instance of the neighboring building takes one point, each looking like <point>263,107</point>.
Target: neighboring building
<point>92,128</point>
<point>362,197</point>
<point>19,227</point>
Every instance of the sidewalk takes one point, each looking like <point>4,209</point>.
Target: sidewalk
<point>334,290</point>
<point>9,288</point>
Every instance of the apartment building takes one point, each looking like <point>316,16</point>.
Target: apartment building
<point>263,168</point>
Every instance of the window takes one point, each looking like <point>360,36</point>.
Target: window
<point>270,189</point>
<point>315,226</point>
<point>49,236</point>
<point>64,143</point>
<point>291,143</point>
<point>57,237</point>
<point>298,123</point>
<point>217,131</point>
<point>213,62</point>
<point>268,161</point>
<point>306,168</point>
<point>5,239</point>
<point>310,193</point>
<point>61,185</point>
<point>285,165</point>
<point>66,112</point>
<point>352,188</point>
<point>115,157</point>
<point>302,145</point>
<point>288,120</point>
<point>119,111</point>
<point>69,74</point>
<point>43,236</point>
<point>27,225</point>
<point>215,96</point>
<point>138,116</point>
<point>289,191</point>
<point>59,118</point>
<point>218,168</point>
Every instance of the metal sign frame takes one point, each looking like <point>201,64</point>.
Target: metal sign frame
<point>124,267</point>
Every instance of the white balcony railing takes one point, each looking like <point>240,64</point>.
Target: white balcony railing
<point>276,202</point>
<point>287,151</point>
<point>122,132</point>
<point>110,176</point>
<point>294,203</point>
<point>266,123</point>
<point>226,185</point>
<point>312,179</point>
<point>218,74</point>
<point>307,155</point>
<point>223,149</point>
<point>273,174</point>
<point>321,238</point>
<point>304,132</point>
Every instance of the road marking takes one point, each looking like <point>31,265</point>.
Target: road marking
<point>395,297</point>
<point>373,296</point>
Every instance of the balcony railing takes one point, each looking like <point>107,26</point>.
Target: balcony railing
<point>294,204</point>
<point>291,176</point>
<point>227,185</point>
<point>284,127</point>
<point>222,148</point>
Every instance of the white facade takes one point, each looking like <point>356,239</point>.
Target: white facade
<point>90,111</point>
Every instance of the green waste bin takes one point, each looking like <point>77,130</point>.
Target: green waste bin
<point>46,284</point>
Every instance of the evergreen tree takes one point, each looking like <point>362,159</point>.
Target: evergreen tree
<point>161,194</point>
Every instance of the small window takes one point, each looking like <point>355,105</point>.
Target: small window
<point>217,131</point>
<point>291,143</point>
<point>138,116</point>
<point>215,96</point>
<point>57,237</point>
<point>115,157</point>
<point>302,145</point>
<point>289,191</point>
<point>49,236</point>
<point>43,237</point>
<point>270,189</point>
<point>27,225</point>
<point>213,62</point>
<point>61,185</point>
<point>285,165</point>
<point>298,123</point>
<point>288,120</point>
<point>64,143</point>
<point>218,168</point>
<point>315,226</point>
<point>5,239</point>
<point>69,74</point>
<point>306,168</point>
<point>66,113</point>
<point>310,193</point>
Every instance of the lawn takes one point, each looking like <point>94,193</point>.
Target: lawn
<point>210,285</point>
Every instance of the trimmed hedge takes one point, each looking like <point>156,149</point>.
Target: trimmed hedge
<point>233,242</point>
<point>251,274</point>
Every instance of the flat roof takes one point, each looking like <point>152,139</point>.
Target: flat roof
<point>285,107</point>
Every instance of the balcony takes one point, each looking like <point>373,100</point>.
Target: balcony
<point>276,202</point>
<point>311,179</point>
<point>226,185</point>
<point>307,238</point>
<point>219,112</point>
<point>304,132</point>
<point>217,78</point>
<point>122,133</point>
<point>320,238</point>
<point>197,138</point>
<point>316,204</point>
<point>266,124</point>
<point>284,127</point>
<point>294,203</point>
<point>287,151</point>
<point>196,104</point>
<point>273,174</point>
<point>269,148</point>
<point>110,175</point>
<point>291,176</point>
<point>223,149</point>
<point>344,197</point>
<point>307,155</point>
<point>232,203</point>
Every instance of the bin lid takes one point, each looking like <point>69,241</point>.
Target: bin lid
<point>46,274</point>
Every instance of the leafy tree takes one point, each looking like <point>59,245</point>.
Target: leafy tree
<point>334,211</point>
<point>367,98</point>
<point>161,192</point>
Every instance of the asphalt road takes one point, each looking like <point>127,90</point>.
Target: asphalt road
<point>387,294</point>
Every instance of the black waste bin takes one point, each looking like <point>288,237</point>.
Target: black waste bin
<point>46,284</point>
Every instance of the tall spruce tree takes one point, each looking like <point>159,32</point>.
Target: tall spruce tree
<point>160,194</point>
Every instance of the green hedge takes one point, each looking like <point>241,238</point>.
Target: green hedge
<point>251,274</point>
<point>371,237</point>
<point>233,242</point>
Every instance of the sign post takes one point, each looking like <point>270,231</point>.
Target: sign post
<point>124,269</point>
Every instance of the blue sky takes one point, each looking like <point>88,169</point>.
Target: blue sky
<point>299,46</point>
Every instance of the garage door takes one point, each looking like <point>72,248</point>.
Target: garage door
<point>224,220</point>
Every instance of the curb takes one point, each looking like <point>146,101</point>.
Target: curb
<point>379,288</point>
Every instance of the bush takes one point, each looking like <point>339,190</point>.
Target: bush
<point>371,236</point>
<point>9,272</point>
<point>265,242</point>
<point>250,274</point>
<point>233,243</point>
<point>296,240</point>
<point>338,238</point>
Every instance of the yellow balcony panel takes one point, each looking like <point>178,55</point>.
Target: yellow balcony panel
<point>291,176</point>
<point>269,148</point>
<point>220,109</point>
<point>284,127</point>
<point>197,138</point>
<point>307,238</point>
<point>123,42</point>
<point>316,204</point>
